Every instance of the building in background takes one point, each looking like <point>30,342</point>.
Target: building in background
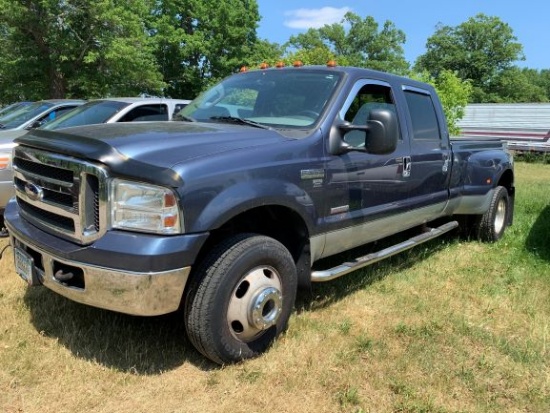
<point>525,126</point>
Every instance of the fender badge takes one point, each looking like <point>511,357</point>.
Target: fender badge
<point>312,173</point>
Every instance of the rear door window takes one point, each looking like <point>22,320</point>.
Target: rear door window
<point>423,116</point>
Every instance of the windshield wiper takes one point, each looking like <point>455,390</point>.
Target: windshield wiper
<point>240,121</point>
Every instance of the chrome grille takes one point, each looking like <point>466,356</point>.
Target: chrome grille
<point>61,194</point>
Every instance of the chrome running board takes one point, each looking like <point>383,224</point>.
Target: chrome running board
<point>347,267</point>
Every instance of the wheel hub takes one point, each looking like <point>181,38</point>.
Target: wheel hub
<point>265,308</point>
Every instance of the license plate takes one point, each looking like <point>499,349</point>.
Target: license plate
<point>24,265</point>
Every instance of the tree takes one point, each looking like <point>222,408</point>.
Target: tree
<point>515,85</point>
<point>477,50</point>
<point>542,79</point>
<point>264,51</point>
<point>198,42</point>
<point>314,56</point>
<point>75,48</point>
<point>362,45</point>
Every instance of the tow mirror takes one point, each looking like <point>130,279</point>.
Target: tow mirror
<point>379,136</point>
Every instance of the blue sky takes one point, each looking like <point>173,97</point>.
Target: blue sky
<point>529,21</point>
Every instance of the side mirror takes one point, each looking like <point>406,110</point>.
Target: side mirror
<point>35,124</point>
<point>380,134</point>
<point>383,132</point>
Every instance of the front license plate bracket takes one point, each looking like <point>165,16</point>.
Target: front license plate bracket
<point>24,266</point>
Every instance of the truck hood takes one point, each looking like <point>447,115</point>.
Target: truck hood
<point>148,149</point>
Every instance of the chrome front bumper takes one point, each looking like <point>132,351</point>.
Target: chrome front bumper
<point>144,294</point>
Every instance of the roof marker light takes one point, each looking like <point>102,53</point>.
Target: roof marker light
<point>280,64</point>
<point>264,65</point>
<point>243,69</point>
<point>331,63</point>
<point>297,63</point>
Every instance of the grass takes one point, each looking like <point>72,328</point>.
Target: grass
<point>450,326</point>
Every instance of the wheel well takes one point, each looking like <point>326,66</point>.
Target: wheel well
<point>507,181</point>
<point>280,223</point>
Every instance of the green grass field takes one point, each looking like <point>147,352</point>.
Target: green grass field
<point>450,326</point>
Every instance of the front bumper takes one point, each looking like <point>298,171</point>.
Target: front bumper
<point>131,273</point>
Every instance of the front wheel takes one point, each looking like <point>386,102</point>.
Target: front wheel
<point>240,298</point>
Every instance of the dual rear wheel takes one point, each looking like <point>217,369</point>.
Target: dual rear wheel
<point>490,226</point>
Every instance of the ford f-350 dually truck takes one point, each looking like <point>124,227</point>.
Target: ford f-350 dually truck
<point>224,213</point>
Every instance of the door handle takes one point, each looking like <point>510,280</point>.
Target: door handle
<point>446,162</point>
<point>406,166</point>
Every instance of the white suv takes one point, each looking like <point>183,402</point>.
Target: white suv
<point>119,110</point>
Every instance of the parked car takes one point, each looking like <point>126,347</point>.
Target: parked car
<point>37,113</point>
<point>125,109</point>
<point>6,110</point>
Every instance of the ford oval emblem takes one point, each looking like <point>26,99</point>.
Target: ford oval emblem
<point>33,191</point>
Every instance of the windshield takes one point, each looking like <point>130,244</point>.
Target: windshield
<point>12,108</point>
<point>275,98</point>
<point>90,113</point>
<point>24,114</point>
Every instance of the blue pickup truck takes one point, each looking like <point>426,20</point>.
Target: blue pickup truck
<point>224,213</point>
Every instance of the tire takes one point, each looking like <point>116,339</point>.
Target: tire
<point>490,226</point>
<point>240,298</point>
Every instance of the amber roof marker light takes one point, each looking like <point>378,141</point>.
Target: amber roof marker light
<point>297,63</point>
<point>332,63</point>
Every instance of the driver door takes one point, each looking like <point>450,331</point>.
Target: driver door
<point>370,191</point>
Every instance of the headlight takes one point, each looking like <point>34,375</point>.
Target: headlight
<point>144,207</point>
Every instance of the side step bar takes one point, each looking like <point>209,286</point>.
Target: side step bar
<point>347,267</point>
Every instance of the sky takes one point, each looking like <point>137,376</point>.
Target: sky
<point>529,20</point>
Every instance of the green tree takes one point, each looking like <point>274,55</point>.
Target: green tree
<point>75,48</point>
<point>453,92</point>
<point>515,85</point>
<point>542,79</point>
<point>264,51</point>
<point>478,50</point>
<point>198,42</point>
<point>314,56</point>
<point>364,44</point>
